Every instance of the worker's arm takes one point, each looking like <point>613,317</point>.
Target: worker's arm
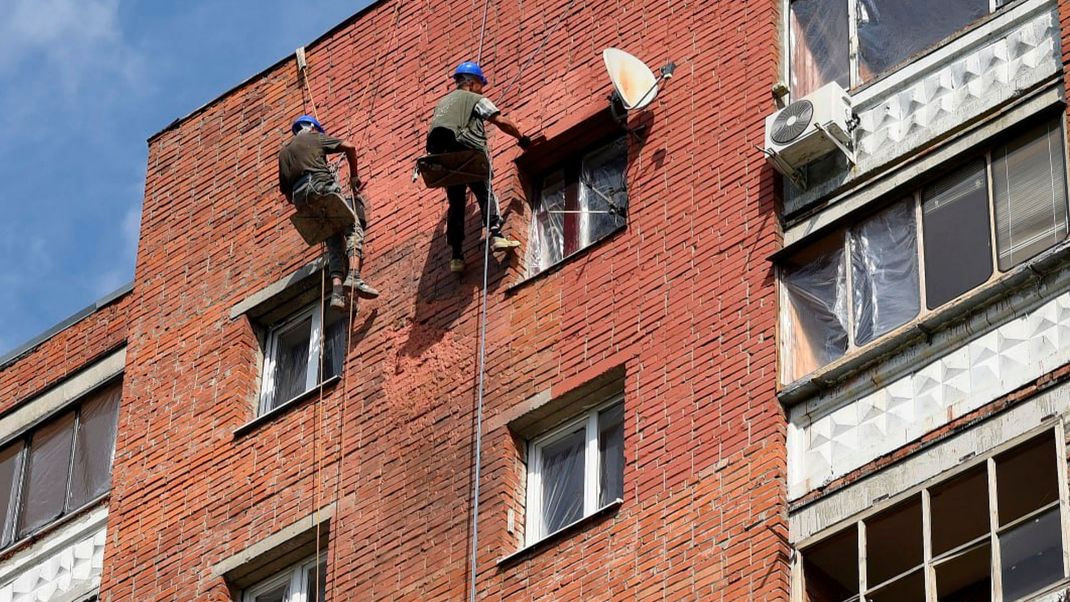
<point>351,158</point>
<point>506,125</point>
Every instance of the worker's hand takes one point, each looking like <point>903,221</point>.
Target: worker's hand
<point>523,142</point>
<point>355,184</point>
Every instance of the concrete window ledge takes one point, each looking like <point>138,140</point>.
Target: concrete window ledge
<point>563,532</point>
<point>326,386</point>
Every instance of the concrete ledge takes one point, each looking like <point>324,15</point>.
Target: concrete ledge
<point>276,551</point>
<point>272,290</point>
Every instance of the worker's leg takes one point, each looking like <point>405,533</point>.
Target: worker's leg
<point>354,238</point>
<point>492,216</point>
<point>457,197</point>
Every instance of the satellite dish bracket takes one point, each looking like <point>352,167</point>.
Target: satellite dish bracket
<point>616,101</point>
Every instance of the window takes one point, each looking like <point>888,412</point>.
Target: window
<point>864,281</point>
<point>886,34</point>
<point>57,467</point>
<point>577,203</point>
<point>965,525</point>
<point>575,470</point>
<point>300,583</point>
<point>292,355</point>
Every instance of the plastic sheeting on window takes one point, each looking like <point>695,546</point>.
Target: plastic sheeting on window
<point>819,45</point>
<point>611,454</point>
<point>815,323</point>
<point>334,343</point>
<point>603,188</point>
<point>94,447</point>
<point>44,489</point>
<point>10,460</point>
<point>547,239</point>
<point>279,594</point>
<point>892,31</point>
<point>884,271</point>
<point>291,362</point>
<point>562,479</point>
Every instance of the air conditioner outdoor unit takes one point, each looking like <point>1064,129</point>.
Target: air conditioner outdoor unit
<point>809,129</point>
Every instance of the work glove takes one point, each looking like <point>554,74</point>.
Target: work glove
<point>523,142</point>
<point>355,184</point>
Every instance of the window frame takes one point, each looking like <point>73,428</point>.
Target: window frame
<point>592,465</point>
<point>931,561</point>
<point>915,194</point>
<point>266,402</point>
<point>853,54</point>
<point>295,575</point>
<point>572,180</point>
<point>9,530</point>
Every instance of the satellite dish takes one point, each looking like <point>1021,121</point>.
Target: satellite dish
<point>636,84</point>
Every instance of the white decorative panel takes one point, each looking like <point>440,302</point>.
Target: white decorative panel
<point>940,97</point>
<point>826,445</point>
<point>68,561</point>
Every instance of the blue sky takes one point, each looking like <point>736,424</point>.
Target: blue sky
<point>83,84</point>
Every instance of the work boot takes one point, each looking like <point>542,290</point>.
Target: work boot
<point>357,284</point>
<point>501,242</point>
<point>457,265</point>
<point>338,301</point>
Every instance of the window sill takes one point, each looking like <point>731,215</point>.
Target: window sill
<point>561,533</point>
<point>986,305</point>
<point>43,532</point>
<point>285,407</point>
<point>519,284</point>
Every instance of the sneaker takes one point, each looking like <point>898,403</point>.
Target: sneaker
<point>501,242</point>
<point>362,288</point>
<point>456,265</point>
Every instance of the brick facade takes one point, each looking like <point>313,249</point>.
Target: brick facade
<point>683,299</point>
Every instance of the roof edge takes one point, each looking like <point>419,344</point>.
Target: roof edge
<point>29,346</point>
<point>180,120</point>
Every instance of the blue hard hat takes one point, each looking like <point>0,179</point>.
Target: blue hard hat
<point>306,119</point>
<point>470,68</point>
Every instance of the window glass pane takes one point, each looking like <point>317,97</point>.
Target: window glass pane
<point>94,447</point>
<point>910,588</point>
<point>44,489</point>
<point>830,567</point>
<point>611,453</point>
<point>1031,555</point>
<point>334,343</point>
<point>815,329</point>
<point>317,584</point>
<point>892,31</point>
<point>958,246</point>
<point>819,45</point>
<point>9,471</point>
<point>893,541</point>
<point>959,510</point>
<point>291,362</point>
<point>603,188</point>
<point>547,239</point>
<point>884,268</point>
<point>1029,191</point>
<point>278,594</point>
<point>562,481</point>
<point>1026,478</point>
<point>966,577</point>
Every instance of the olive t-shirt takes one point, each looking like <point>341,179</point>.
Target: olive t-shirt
<point>463,112</point>
<point>305,153</point>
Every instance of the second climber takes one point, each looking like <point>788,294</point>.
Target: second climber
<point>458,124</point>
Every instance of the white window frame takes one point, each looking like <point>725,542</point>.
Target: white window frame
<point>267,390</point>
<point>296,576</point>
<point>854,76</point>
<point>931,562</point>
<point>592,465</point>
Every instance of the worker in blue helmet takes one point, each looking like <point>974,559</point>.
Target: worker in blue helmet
<point>303,172</point>
<point>458,124</point>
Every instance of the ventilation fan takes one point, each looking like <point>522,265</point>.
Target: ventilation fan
<point>808,129</point>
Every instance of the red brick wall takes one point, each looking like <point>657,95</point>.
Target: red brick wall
<point>683,299</point>
<point>64,353</point>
